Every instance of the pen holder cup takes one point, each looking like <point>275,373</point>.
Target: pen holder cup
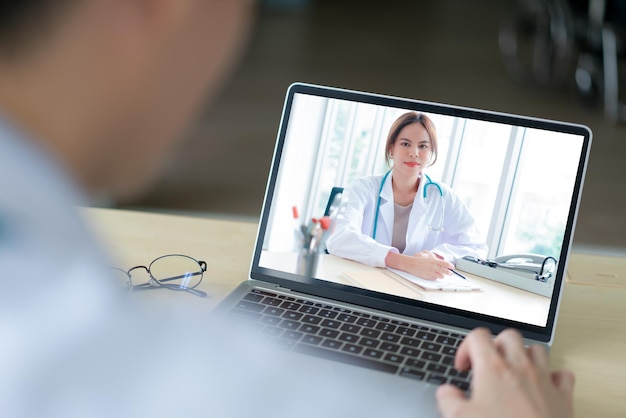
<point>307,262</point>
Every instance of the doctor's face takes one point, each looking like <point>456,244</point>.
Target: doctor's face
<point>412,150</point>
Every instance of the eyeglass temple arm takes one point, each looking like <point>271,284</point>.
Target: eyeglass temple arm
<point>182,276</point>
<point>147,286</point>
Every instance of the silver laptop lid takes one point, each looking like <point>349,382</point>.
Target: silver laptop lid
<point>517,179</point>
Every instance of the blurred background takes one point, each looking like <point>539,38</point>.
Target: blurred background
<point>553,59</point>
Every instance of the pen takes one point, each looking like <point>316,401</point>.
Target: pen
<point>458,274</point>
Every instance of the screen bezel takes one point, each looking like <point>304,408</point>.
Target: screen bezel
<point>404,306</point>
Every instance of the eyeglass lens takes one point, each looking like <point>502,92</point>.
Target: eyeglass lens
<point>176,271</point>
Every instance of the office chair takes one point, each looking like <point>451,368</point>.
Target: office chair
<point>333,193</point>
<point>544,41</point>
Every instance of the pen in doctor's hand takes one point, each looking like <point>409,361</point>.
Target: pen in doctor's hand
<point>458,274</point>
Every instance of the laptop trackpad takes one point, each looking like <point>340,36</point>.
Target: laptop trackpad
<point>386,394</point>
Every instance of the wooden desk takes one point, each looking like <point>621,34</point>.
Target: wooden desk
<point>591,331</point>
<point>495,299</point>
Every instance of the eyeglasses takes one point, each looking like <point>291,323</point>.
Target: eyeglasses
<point>173,271</point>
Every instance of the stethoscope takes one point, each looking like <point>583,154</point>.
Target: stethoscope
<point>434,204</point>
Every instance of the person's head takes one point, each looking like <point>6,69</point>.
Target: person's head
<point>107,85</point>
<point>412,130</point>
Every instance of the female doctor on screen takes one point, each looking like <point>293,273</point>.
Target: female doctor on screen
<point>403,219</point>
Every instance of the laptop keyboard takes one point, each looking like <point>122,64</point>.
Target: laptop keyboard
<point>347,335</point>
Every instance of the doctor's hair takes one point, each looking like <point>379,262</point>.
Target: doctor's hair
<point>408,119</point>
<point>25,23</point>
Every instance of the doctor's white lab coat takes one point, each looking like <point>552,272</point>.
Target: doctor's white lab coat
<point>352,231</point>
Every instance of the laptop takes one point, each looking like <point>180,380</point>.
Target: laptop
<point>520,180</point>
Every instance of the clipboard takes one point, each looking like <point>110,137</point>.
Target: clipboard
<point>450,282</point>
<point>379,281</point>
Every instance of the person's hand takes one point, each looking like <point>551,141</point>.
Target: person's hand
<point>424,264</point>
<point>508,380</point>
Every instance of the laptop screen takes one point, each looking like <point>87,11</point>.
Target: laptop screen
<point>493,195</point>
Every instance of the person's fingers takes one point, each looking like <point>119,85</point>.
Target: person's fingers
<point>510,345</point>
<point>564,381</point>
<point>475,351</point>
<point>450,400</point>
<point>446,265</point>
<point>539,356</point>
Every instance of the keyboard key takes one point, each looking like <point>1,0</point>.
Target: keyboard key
<point>431,346</point>
<point>447,360</point>
<point>329,333</point>
<point>409,351</point>
<point>329,323</point>
<point>412,342</point>
<point>385,326</point>
<point>253,297</point>
<point>445,340</point>
<point>413,373</point>
<point>326,313</point>
<point>309,310</point>
<point>270,301</point>
<point>351,348</point>
<point>346,318</point>
<point>394,358</point>
<point>262,292</point>
<point>437,368</point>
<point>430,356</point>
<point>332,344</point>
<point>371,333</point>
<point>250,306</point>
<point>345,358</point>
<point>426,336</point>
<point>310,319</point>
<point>291,306</point>
<point>366,322</point>
<point>436,379</point>
<point>351,338</point>
<point>312,339</point>
<point>354,329</point>
<point>417,364</point>
<point>369,342</point>
<point>270,310</point>
<point>389,347</point>
<point>292,335</point>
<point>271,320</point>
<point>407,332</point>
<point>390,337</point>
<point>309,329</point>
<point>292,315</point>
<point>289,324</point>
<point>373,353</point>
<point>450,351</point>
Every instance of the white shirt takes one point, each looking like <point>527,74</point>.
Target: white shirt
<point>71,346</point>
<point>352,234</point>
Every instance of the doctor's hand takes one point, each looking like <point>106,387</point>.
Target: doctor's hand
<point>424,264</point>
<point>508,380</point>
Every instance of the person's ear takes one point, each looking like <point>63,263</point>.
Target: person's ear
<point>155,16</point>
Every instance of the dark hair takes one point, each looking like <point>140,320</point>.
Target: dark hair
<point>405,120</point>
<point>23,22</point>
